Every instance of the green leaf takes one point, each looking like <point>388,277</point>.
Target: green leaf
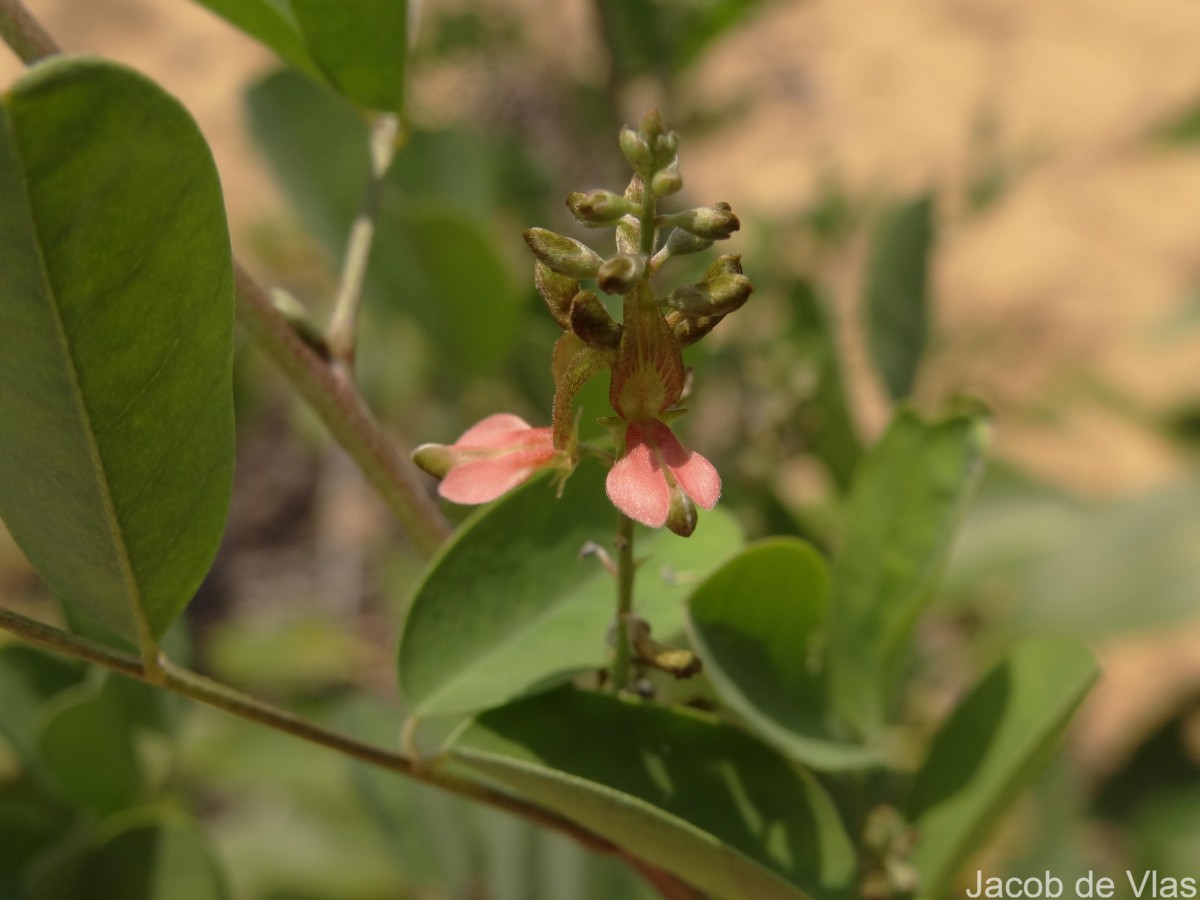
<point>993,744</point>
<point>679,789</point>
<point>86,744</point>
<point>759,624</point>
<point>359,49</point>
<point>141,855</point>
<point>906,503</point>
<point>272,23</point>
<point>508,607</point>
<point>896,293</point>
<point>116,327</point>
<point>830,425</point>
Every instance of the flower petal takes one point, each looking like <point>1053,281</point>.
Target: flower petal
<point>484,480</point>
<point>636,485</point>
<point>697,477</point>
<point>498,430</point>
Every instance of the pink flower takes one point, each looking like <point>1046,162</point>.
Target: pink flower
<point>658,479</point>
<point>490,459</point>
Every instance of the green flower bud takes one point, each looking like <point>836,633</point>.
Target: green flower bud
<point>620,273</point>
<point>562,254</point>
<point>557,290</point>
<point>682,516</point>
<point>679,243</point>
<point>636,149</point>
<point>666,182</point>
<point>723,290</point>
<point>600,208</point>
<point>689,329</point>
<point>713,223</point>
<point>592,322</point>
<point>652,126</point>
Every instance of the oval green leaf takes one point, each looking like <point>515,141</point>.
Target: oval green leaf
<point>896,292</point>
<point>508,607</point>
<point>993,744</point>
<point>116,327</point>
<point>86,745</point>
<point>679,789</point>
<point>759,624</point>
<point>907,500</point>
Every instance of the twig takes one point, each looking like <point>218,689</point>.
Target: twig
<point>340,406</point>
<point>24,34</point>
<point>343,326</point>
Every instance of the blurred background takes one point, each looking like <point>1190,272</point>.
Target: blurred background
<point>1052,153</point>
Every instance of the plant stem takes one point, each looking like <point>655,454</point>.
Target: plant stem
<point>343,327</point>
<point>626,567</point>
<point>24,34</point>
<point>340,406</point>
<point>205,690</point>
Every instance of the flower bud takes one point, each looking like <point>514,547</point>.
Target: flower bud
<point>599,208</point>
<point>713,223</point>
<point>592,322</point>
<point>557,290</point>
<point>636,149</point>
<point>562,254</point>
<point>682,516</point>
<point>689,329</point>
<point>679,243</point>
<point>620,273</point>
<point>723,290</point>
<point>666,182</point>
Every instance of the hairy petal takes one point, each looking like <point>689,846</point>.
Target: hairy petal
<point>498,430</point>
<point>483,480</point>
<point>636,484</point>
<point>697,477</point>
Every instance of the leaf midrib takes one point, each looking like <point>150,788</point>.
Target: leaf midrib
<point>146,640</point>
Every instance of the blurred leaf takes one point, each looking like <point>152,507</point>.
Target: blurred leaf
<point>895,296</point>
<point>86,744</point>
<point>116,417</point>
<point>431,259</point>
<point>1132,565</point>
<point>142,855</point>
<point>678,789</point>
<point>1183,128</point>
<point>30,822</point>
<point>664,38</point>
<point>907,500</point>
<point>28,678</point>
<point>759,624</point>
<point>451,279</point>
<point>508,607</point>
<point>830,425</point>
<point>360,49</point>
<point>993,744</point>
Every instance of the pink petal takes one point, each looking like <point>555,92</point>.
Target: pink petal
<point>484,480</point>
<point>697,477</point>
<point>636,485</point>
<point>498,430</point>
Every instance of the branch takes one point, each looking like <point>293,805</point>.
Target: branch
<point>339,405</point>
<point>343,326</point>
<point>24,34</point>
